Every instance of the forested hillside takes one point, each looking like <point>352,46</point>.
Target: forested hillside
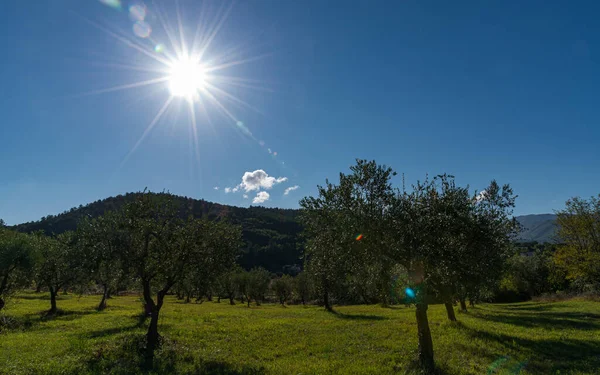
<point>271,235</point>
<point>537,228</point>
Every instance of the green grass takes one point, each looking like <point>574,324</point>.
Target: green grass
<point>526,338</point>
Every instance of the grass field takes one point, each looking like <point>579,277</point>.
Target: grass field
<point>525,338</point>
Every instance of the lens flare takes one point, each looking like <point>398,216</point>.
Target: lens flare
<point>159,48</point>
<point>359,237</point>
<point>410,293</point>
<point>137,12</point>
<point>142,29</point>
<point>116,4</point>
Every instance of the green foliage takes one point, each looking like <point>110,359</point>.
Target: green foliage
<point>303,287</point>
<point>258,280</point>
<point>16,261</point>
<point>58,263</point>
<point>283,287</point>
<point>579,230</point>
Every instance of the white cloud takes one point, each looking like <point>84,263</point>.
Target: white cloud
<point>481,196</point>
<point>216,188</point>
<point>291,188</point>
<point>261,197</point>
<point>227,190</point>
<point>235,189</point>
<point>245,196</point>
<point>257,180</point>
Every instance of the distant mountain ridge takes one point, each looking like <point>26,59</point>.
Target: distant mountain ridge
<point>540,228</point>
<point>271,235</point>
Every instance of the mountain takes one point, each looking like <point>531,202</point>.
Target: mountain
<point>271,235</point>
<point>540,228</point>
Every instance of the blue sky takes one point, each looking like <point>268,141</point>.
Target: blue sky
<point>497,89</point>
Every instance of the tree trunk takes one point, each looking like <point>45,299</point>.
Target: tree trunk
<point>187,298</point>
<point>1,303</point>
<point>152,337</point>
<point>326,301</point>
<point>38,288</point>
<point>53,293</point>
<point>231,301</point>
<point>219,299</point>
<point>248,299</point>
<point>463,305</point>
<point>4,284</point>
<point>425,342</point>
<point>102,304</point>
<point>471,302</point>
<point>450,311</point>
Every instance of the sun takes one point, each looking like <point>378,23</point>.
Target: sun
<point>186,78</point>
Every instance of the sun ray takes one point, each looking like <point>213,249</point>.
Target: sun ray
<point>180,27</point>
<point>127,67</point>
<point>206,44</point>
<point>148,129</point>
<point>125,87</point>
<point>238,62</point>
<point>219,105</point>
<point>194,132</point>
<point>128,42</point>
<point>233,98</point>
<point>168,31</point>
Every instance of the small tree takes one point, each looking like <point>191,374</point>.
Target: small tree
<point>16,261</point>
<point>579,230</point>
<point>160,249</point>
<point>303,287</point>
<point>100,240</point>
<point>58,264</point>
<point>258,284</point>
<point>282,287</point>
<point>228,284</point>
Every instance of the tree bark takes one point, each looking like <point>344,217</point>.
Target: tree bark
<point>450,311</point>
<point>463,305</point>
<point>152,337</point>
<point>53,293</point>
<point>326,300</point>
<point>4,283</point>
<point>102,304</point>
<point>425,342</point>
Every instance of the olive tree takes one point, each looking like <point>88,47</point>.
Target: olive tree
<point>58,263</point>
<point>16,261</point>
<point>160,249</point>
<point>283,287</point>
<point>101,239</point>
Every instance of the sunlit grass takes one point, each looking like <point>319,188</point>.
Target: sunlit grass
<point>534,338</point>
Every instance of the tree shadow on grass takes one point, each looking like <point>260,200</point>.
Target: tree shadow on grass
<point>110,331</point>
<point>127,355</point>
<point>41,296</point>
<point>357,316</point>
<point>537,307</point>
<point>548,356</point>
<point>567,320</point>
